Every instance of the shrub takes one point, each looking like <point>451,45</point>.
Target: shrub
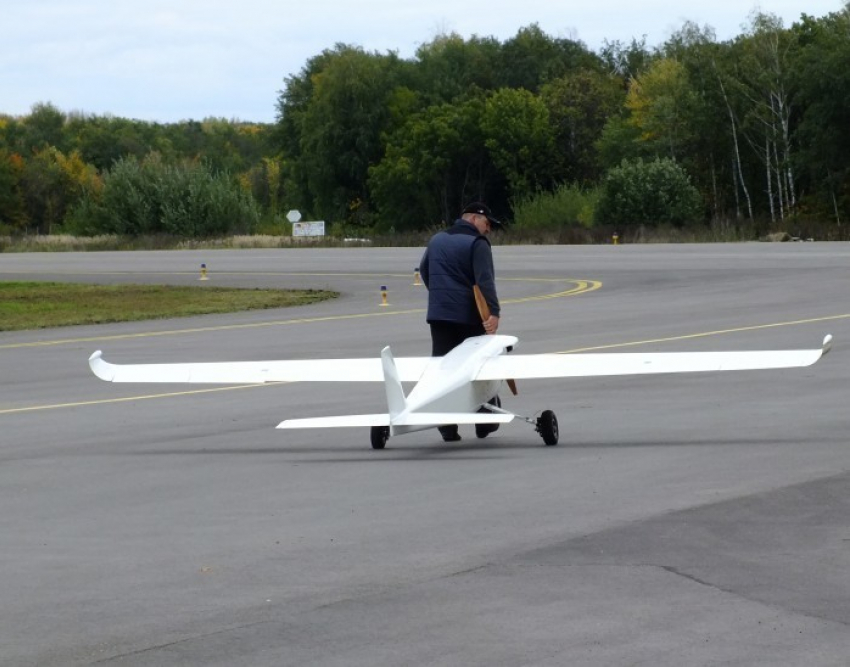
<point>648,193</point>
<point>568,205</point>
<point>151,197</point>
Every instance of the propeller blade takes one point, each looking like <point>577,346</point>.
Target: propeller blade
<point>484,311</point>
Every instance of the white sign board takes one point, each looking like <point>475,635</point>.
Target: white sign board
<point>294,215</point>
<point>315,228</point>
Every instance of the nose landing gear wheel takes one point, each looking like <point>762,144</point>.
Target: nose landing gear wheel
<point>547,427</point>
<point>380,435</point>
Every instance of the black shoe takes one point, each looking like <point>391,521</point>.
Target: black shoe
<point>483,430</point>
<point>449,433</point>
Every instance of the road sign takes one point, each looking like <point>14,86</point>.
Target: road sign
<point>312,228</point>
<point>294,215</point>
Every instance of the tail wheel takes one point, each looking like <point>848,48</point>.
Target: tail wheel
<point>379,436</point>
<point>547,427</point>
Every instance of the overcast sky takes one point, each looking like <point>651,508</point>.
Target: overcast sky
<point>171,60</point>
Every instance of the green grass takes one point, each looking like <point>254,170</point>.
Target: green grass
<point>38,305</point>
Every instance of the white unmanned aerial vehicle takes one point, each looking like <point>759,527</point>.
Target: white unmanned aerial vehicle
<point>454,389</point>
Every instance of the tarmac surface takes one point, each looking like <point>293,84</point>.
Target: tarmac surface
<point>697,519</point>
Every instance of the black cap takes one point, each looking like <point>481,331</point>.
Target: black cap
<point>480,208</point>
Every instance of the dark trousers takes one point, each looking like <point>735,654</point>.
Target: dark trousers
<point>446,336</point>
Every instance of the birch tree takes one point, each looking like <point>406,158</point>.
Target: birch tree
<point>761,80</point>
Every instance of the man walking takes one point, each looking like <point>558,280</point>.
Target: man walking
<point>455,260</point>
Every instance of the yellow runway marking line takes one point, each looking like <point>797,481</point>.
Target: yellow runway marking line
<point>165,274</point>
<point>705,334</point>
<point>224,327</point>
<point>125,399</point>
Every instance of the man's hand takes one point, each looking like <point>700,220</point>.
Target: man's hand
<point>491,324</point>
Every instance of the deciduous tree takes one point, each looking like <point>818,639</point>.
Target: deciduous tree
<point>579,104</point>
<point>520,138</point>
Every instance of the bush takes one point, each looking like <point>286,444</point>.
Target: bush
<point>150,197</point>
<point>568,205</point>
<point>648,193</point>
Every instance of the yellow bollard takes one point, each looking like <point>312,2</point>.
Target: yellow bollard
<point>616,238</point>
<point>203,272</point>
<point>384,295</point>
<point>416,280</point>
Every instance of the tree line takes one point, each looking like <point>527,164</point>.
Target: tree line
<point>738,135</point>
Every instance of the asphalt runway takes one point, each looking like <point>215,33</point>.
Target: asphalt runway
<point>698,519</point>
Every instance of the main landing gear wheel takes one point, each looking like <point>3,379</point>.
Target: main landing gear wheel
<point>380,435</point>
<point>547,427</point>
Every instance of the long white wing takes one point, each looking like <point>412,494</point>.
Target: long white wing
<point>410,369</point>
<point>523,366</point>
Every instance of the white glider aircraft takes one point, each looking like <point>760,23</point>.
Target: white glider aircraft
<point>454,389</point>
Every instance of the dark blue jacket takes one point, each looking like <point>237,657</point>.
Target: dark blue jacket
<point>455,260</point>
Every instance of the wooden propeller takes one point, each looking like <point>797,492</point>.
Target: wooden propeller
<point>484,311</point>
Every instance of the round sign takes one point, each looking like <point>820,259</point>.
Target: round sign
<point>293,216</point>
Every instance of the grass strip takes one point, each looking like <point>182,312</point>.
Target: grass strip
<point>39,305</point>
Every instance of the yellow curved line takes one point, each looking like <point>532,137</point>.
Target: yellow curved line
<point>581,286</point>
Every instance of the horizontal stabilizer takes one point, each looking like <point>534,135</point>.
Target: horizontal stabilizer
<point>414,419</point>
<point>437,418</point>
<point>524,366</point>
<point>409,369</point>
<point>337,422</point>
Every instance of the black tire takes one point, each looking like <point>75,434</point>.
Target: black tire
<point>379,436</point>
<point>547,427</point>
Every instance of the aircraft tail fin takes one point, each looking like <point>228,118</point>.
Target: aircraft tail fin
<point>396,402</point>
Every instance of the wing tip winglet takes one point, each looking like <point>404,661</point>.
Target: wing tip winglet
<point>100,367</point>
<point>827,343</point>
